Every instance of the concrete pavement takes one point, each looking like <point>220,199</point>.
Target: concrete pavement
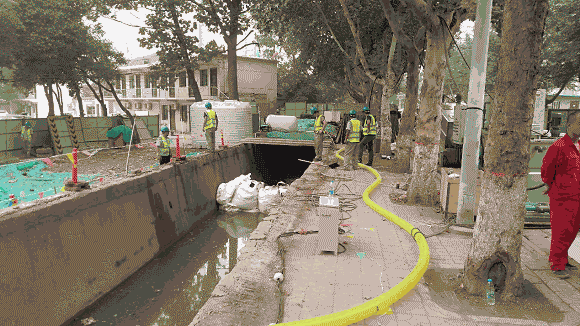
<point>379,255</point>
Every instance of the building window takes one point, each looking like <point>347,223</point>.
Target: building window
<point>132,81</point>
<point>90,110</point>
<point>573,105</point>
<point>139,106</point>
<point>145,62</point>
<point>164,112</point>
<point>182,79</point>
<point>203,77</point>
<point>138,81</point>
<point>147,82</point>
<point>123,82</point>
<point>183,113</point>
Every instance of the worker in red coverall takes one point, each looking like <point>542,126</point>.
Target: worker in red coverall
<point>561,173</point>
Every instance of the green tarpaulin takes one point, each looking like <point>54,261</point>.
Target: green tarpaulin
<point>126,131</point>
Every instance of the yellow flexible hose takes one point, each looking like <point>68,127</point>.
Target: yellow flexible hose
<point>381,304</point>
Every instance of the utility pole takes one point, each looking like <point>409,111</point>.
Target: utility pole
<point>474,114</point>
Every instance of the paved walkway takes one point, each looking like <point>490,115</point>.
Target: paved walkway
<point>379,255</point>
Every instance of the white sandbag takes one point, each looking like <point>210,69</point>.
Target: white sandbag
<point>226,191</point>
<point>270,196</point>
<point>282,122</point>
<point>246,196</point>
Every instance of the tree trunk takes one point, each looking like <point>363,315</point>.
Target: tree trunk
<point>77,91</point>
<point>232,68</point>
<point>119,102</point>
<point>101,100</point>
<point>407,128</point>
<point>100,97</point>
<point>193,84</point>
<point>48,93</point>
<point>59,99</point>
<point>388,90</point>
<point>425,179</point>
<point>497,238</point>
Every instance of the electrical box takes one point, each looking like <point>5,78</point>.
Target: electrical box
<point>458,124</point>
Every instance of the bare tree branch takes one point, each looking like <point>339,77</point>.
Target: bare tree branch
<point>568,78</point>
<point>253,43</point>
<point>245,37</point>
<point>356,36</point>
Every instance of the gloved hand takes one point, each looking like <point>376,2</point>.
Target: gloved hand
<point>547,190</point>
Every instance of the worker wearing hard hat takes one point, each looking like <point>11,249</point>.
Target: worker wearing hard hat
<point>353,128</point>
<point>319,129</point>
<point>26,134</point>
<point>210,125</point>
<point>369,129</point>
<point>163,144</point>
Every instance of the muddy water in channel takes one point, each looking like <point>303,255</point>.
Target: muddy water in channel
<point>172,288</point>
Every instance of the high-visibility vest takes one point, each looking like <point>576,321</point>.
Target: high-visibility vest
<point>210,120</point>
<point>372,129</point>
<point>26,134</point>
<point>318,124</point>
<point>354,136</point>
<point>164,148</point>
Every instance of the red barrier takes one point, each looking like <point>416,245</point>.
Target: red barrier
<point>74,171</point>
<point>178,154</point>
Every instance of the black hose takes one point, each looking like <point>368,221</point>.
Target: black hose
<point>536,187</point>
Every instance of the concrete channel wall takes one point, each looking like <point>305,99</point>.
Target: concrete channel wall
<point>60,255</point>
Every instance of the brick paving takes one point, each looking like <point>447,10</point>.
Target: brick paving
<point>379,255</point>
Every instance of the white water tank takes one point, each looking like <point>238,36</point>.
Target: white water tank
<point>235,121</point>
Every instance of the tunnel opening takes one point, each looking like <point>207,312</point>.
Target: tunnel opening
<point>274,163</point>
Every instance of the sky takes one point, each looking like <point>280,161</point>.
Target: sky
<point>124,37</point>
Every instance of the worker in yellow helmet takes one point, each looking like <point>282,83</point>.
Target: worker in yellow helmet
<point>163,144</point>
<point>319,127</point>
<point>210,125</point>
<point>26,134</point>
<point>353,129</point>
<point>369,134</point>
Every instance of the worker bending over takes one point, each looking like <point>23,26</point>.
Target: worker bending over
<point>319,129</point>
<point>370,133</point>
<point>353,128</point>
<point>164,143</point>
<point>210,125</point>
<point>561,173</point>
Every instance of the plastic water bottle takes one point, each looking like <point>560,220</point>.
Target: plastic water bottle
<point>490,293</point>
<point>331,192</point>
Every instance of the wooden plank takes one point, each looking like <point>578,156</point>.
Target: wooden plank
<point>328,220</point>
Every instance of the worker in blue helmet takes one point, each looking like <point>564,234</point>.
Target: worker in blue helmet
<point>353,129</point>
<point>164,146</point>
<point>319,128</point>
<point>369,130</point>
<point>210,125</point>
<point>26,134</point>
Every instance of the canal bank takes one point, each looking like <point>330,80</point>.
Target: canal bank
<point>64,252</point>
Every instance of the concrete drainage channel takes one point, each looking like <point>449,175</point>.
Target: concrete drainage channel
<point>250,295</point>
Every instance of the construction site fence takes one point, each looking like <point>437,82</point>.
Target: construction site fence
<point>87,132</point>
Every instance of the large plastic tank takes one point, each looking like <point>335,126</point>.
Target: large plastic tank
<point>235,121</point>
<point>282,122</point>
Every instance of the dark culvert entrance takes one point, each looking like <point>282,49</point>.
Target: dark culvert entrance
<point>172,287</point>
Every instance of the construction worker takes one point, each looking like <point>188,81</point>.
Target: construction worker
<point>210,125</point>
<point>26,134</point>
<point>353,129</point>
<point>370,133</point>
<point>164,143</point>
<point>319,127</point>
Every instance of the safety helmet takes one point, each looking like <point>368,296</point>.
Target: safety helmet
<point>164,128</point>
<point>366,109</point>
<point>208,105</point>
<point>313,110</point>
<point>352,113</point>
<point>28,124</point>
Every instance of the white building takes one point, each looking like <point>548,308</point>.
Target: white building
<point>257,82</point>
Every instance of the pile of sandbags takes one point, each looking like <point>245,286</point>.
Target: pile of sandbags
<point>245,194</point>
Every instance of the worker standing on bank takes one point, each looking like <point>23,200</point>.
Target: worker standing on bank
<point>319,127</point>
<point>26,134</point>
<point>210,125</point>
<point>163,144</point>
<point>561,173</point>
<point>369,134</point>
<point>353,129</point>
